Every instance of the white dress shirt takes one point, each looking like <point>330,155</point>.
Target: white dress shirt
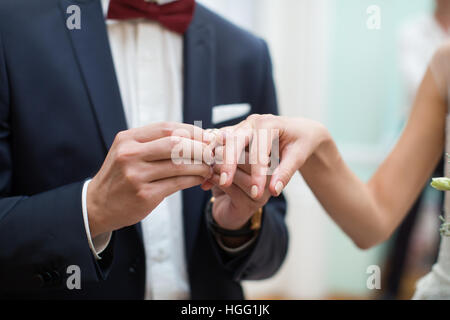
<point>148,61</point>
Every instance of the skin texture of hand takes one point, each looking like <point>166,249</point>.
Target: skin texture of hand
<point>241,189</point>
<point>139,173</point>
<point>234,206</point>
<point>298,140</point>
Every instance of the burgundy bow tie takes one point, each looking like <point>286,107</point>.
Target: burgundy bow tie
<point>175,16</point>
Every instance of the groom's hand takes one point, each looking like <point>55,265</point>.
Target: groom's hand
<point>234,205</point>
<point>139,173</point>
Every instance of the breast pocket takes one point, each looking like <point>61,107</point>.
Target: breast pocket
<point>224,115</point>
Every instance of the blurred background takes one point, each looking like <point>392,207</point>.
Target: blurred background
<point>353,65</point>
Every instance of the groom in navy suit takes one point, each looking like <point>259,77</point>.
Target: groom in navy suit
<point>85,119</point>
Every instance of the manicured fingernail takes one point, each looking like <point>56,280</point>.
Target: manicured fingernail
<point>223,178</point>
<point>279,187</point>
<point>254,192</point>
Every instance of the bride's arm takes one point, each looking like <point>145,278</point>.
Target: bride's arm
<point>367,212</point>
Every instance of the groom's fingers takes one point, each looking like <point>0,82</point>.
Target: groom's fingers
<point>166,129</point>
<point>243,181</point>
<point>176,149</point>
<point>236,193</point>
<point>169,186</point>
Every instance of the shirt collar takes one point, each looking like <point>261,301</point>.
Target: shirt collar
<point>105,4</point>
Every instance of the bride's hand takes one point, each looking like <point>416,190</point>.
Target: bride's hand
<point>298,139</point>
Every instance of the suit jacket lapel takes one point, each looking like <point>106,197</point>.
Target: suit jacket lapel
<point>198,102</point>
<point>92,50</point>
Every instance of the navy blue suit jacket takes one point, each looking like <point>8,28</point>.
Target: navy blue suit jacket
<point>60,109</point>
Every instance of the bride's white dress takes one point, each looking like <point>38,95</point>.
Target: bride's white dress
<point>436,285</point>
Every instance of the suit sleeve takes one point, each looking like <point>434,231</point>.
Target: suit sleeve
<point>264,258</point>
<point>40,235</point>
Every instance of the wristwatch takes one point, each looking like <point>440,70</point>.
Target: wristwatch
<point>252,226</point>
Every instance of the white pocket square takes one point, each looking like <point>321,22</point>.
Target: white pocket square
<point>228,112</point>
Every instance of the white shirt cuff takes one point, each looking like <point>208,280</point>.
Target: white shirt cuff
<point>101,242</point>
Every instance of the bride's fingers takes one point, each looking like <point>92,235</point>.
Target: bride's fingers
<point>217,168</point>
<point>235,144</point>
<point>291,162</point>
<point>241,186</point>
<point>245,167</point>
<point>260,150</point>
<point>243,164</point>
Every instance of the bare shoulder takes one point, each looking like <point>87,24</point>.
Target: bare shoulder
<point>440,68</point>
<point>442,54</point>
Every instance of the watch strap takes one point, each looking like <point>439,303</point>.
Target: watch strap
<point>249,229</point>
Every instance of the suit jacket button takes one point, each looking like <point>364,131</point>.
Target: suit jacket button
<point>132,269</point>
